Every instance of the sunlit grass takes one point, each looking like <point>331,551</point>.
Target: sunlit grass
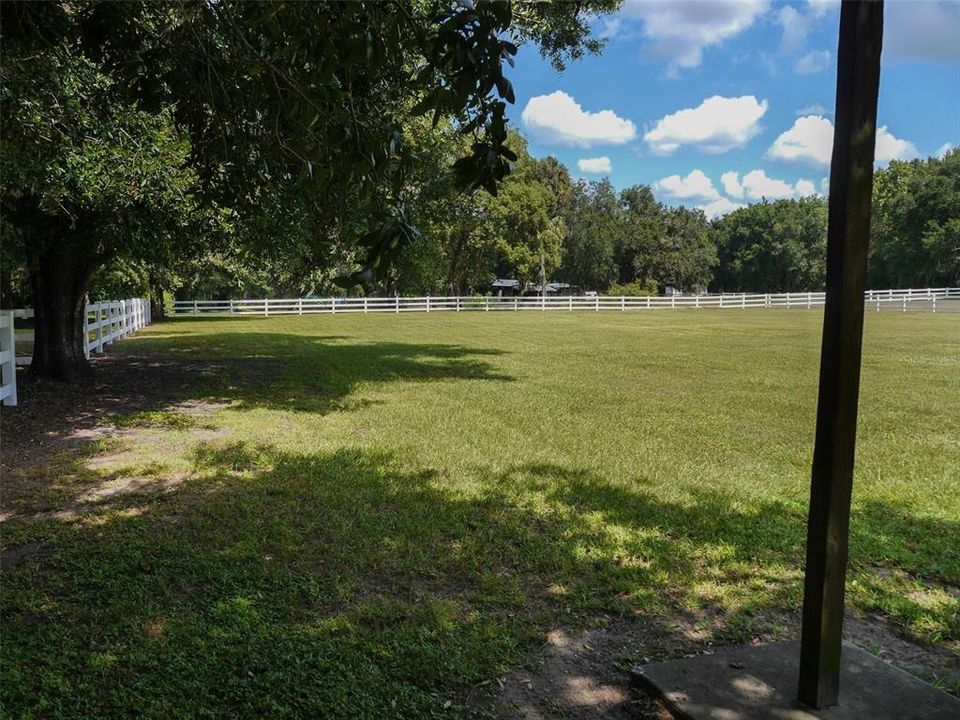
<point>380,512</point>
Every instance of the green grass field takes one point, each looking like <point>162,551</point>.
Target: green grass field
<point>372,514</point>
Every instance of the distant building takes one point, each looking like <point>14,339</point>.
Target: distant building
<point>502,287</point>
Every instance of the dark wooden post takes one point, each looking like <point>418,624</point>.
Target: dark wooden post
<point>848,235</point>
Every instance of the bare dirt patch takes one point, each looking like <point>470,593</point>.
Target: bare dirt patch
<point>61,433</point>
<point>11,557</point>
<point>585,674</point>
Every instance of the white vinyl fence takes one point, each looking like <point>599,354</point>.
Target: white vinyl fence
<point>913,299</point>
<point>104,322</point>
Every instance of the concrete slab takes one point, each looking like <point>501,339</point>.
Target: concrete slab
<point>760,683</point>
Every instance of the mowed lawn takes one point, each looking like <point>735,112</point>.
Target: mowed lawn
<point>370,516</point>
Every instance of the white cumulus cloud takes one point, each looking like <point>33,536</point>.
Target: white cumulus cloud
<point>680,31</point>
<point>943,150</point>
<point>731,184</point>
<point>558,119</point>
<point>797,24</point>
<point>813,62</point>
<point>718,207</point>
<point>892,148</point>
<point>716,125</point>
<point>805,188</point>
<point>810,140</point>
<point>595,165</point>
<point>757,185</point>
<point>922,31</point>
<point>815,109</point>
<point>696,185</point>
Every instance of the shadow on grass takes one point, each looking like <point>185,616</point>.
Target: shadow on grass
<point>346,584</point>
<point>318,373</point>
<point>247,369</point>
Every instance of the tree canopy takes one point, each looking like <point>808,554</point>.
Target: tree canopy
<point>161,133</point>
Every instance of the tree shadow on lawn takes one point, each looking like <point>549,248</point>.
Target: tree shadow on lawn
<point>246,369</point>
<point>317,374</point>
<point>346,584</point>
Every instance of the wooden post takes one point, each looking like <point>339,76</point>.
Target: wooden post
<point>848,235</point>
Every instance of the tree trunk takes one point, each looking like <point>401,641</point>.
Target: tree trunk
<point>543,273</point>
<point>59,283</point>
<point>157,309</point>
<point>453,270</point>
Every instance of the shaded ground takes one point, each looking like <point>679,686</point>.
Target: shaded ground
<point>585,674</point>
<point>286,523</point>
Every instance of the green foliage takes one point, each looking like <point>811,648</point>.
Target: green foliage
<point>630,237</point>
<point>81,167</point>
<point>772,247</point>
<point>915,231</point>
<point>595,230</point>
<point>637,288</point>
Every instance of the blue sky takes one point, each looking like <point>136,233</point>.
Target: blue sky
<point>717,103</point>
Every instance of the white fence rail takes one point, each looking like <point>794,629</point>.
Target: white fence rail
<point>104,322</point>
<point>925,298</point>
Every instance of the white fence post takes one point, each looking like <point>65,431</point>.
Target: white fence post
<point>86,327</point>
<point>364,304</point>
<point>8,359</point>
<point>428,303</point>
<point>623,303</point>
<point>98,327</point>
<point>396,302</point>
<point>934,308</point>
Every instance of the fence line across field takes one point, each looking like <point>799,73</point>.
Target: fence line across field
<point>104,322</point>
<point>875,299</point>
